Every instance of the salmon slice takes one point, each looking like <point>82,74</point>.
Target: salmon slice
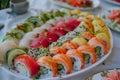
<point>69,45</point>
<point>49,62</point>
<point>87,35</point>
<point>58,50</point>
<point>65,61</point>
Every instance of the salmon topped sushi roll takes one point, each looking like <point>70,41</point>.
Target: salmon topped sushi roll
<point>26,65</point>
<point>77,59</point>
<point>69,45</point>
<point>57,50</point>
<point>64,63</point>
<point>99,46</point>
<point>48,67</point>
<point>105,38</point>
<point>89,53</point>
<point>87,35</point>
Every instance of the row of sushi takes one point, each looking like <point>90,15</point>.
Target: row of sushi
<point>67,58</point>
<point>36,21</point>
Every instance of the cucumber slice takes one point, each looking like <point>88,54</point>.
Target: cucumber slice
<point>60,67</point>
<point>98,50</point>
<point>86,58</point>
<point>11,55</point>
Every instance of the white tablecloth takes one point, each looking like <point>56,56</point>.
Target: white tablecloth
<point>112,62</point>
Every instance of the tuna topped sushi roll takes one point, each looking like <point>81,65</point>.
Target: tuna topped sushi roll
<point>64,63</point>
<point>48,67</point>
<point>77,59</point>
<point>99,46</point>
<point>89,53</point>
<point>26,65</point>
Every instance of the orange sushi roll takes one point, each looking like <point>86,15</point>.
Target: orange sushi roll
<point>77,59</point>
<point>57,50</point>
<point>99,45</point>
<point>89,53</point>
<point>64,63</point>
<point>69,45</point>
<point>87,35</point>
<point>48,66</point>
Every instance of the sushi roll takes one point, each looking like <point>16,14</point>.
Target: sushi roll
<point>64,63</point>
<point>89,54</point>
<point>47,26</point>
<point>4,48</point>
<point>10,38</point>
<point>105,38</point>
<point>69,45</point>
<point>99,46</point>
<point>48,67</point>
<point>25,27</point>
<point>28,37</point>
<point>66,11</point>
<point>57,50</point>
<point>17,32</point>
<point>35,21</point>
<point>26,65</point>
<point>87,35</point>
<point>87,25</point>
<point>77,59</point>
<point>79,41</point>
<point>11,55</point>
<point>58,19</point>
<point>52,22</point>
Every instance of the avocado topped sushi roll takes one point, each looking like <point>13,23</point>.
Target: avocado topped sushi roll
<point>26,27</point>
<point>4,48</point>
<point>11,55</point>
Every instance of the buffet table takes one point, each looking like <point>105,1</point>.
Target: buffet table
<point>113,60</point>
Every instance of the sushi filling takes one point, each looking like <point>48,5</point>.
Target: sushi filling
<point>61,69</point>
<point>87,58</point>
<point>98,51</point>
<point>45,72</point>
<point>76,64</point>
<point>22,69</point>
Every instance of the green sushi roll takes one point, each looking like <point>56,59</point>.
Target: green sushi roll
<point>35,21</point>
<point>25,27</point>
<point>11,55</point>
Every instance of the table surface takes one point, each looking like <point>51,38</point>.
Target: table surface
<point>111,62</point>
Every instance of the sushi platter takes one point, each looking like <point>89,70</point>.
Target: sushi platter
<point>55,44</point>
<point>110,74</point>
<point>95,4</point>
<point>112,18</point>
<point>116,2</point>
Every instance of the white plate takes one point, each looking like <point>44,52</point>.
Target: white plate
<point>17,20</point>
<point>113,26</point>
<point>98,76</point>
<point>96,3</point>
<point>113,2</point>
